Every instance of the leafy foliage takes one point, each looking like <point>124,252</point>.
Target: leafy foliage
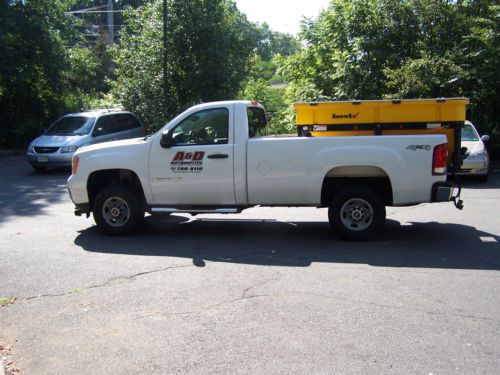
<point>209,44</point>
<point>45,70</point>
<point>33,58</point>
<point>139,65</point>
<point>355,49</point>
<point>360,49</point>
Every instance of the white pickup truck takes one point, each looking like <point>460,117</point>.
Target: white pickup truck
<point>213,158</point>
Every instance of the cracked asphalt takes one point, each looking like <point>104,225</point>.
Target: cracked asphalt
<point>271,290</point>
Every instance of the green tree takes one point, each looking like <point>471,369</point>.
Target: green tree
<point>209,45</point>
<point>270,43</point>
<point>360,49</point>
<point>264,83</point>
<point>47,69</point>
<point>34,59</point>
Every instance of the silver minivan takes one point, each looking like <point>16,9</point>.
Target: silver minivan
<point>55,147</point>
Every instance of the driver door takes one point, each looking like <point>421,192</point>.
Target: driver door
<point>197,170</point>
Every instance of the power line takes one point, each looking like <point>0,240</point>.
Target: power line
<point>92,26</point>
<point>94,11</point>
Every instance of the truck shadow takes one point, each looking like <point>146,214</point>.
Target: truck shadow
<point>24,192</point>
<point>299,244</point>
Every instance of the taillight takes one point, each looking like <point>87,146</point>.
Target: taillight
<point>74,166</point>
<point>440,159</point>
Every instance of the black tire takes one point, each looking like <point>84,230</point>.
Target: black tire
<point>117,211</point>
<point>356,213</point>
<point>40,168</point>
<point>482,178</point>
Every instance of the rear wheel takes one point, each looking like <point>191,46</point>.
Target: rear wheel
<point>117,211</point>
<point>356,213</point>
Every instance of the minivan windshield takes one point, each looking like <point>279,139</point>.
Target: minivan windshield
<point>71,125</point>
<point>469,134</point>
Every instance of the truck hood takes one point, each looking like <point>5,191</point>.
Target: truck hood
<point>110,145</point>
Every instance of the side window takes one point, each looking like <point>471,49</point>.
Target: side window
<point>257,122</point>
<point>125,121</point>
<point>207,127</point>
<point>105,125</point>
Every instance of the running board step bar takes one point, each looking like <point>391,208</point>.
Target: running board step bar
<point>170,210</point>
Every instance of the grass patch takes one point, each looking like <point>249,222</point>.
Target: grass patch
<point>7,301</point>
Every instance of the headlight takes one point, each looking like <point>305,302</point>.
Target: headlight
<point>31,149</point>
<point>478,156</point>
<point>66,149</point>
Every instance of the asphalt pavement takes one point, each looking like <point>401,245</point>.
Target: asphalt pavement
<point>271,290</point>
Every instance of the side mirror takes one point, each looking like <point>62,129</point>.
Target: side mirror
<point>97,132</point>
<point>166,139</point>
<point>485,138</point>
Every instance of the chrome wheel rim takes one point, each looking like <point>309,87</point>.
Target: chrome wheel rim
<point>116,211</point>
<point>356,214</point>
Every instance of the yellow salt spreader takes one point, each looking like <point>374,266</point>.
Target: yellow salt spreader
<point>386,117</point>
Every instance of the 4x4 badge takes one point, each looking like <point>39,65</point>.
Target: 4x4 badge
<point>419,147</point>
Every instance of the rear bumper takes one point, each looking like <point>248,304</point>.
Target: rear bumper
<point>442,191</point>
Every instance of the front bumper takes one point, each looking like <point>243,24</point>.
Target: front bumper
<point>78,196</point>
<point>80,199</point>
<point>82,209</point>
<point>470,172</point>
<point>474,167</point>
<point>50,160</point>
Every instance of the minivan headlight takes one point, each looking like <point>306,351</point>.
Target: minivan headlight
<point>66,149</point>
<point>477,156</point>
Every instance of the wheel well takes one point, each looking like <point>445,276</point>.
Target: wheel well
<point>99,180</point>
<point>377,180</point>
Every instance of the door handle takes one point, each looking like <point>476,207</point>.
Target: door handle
<point>218,156</point>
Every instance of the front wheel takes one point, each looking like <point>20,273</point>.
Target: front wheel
<point>356,213</point>
<point>117,211</point>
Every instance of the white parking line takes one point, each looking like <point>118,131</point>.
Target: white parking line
<point>488,239</point>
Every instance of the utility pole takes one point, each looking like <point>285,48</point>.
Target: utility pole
<point>165,55</point>
<point>111,33</point>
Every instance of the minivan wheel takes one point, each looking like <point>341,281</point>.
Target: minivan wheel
<point>40,168</point>
<point>116,211</point>
<point>482,177</point>
<point>356,213</point>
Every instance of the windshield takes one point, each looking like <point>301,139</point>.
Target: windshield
<point>469,134</point>
<point>71,125</point>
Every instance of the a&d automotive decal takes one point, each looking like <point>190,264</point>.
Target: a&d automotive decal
<point>187,162</point>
